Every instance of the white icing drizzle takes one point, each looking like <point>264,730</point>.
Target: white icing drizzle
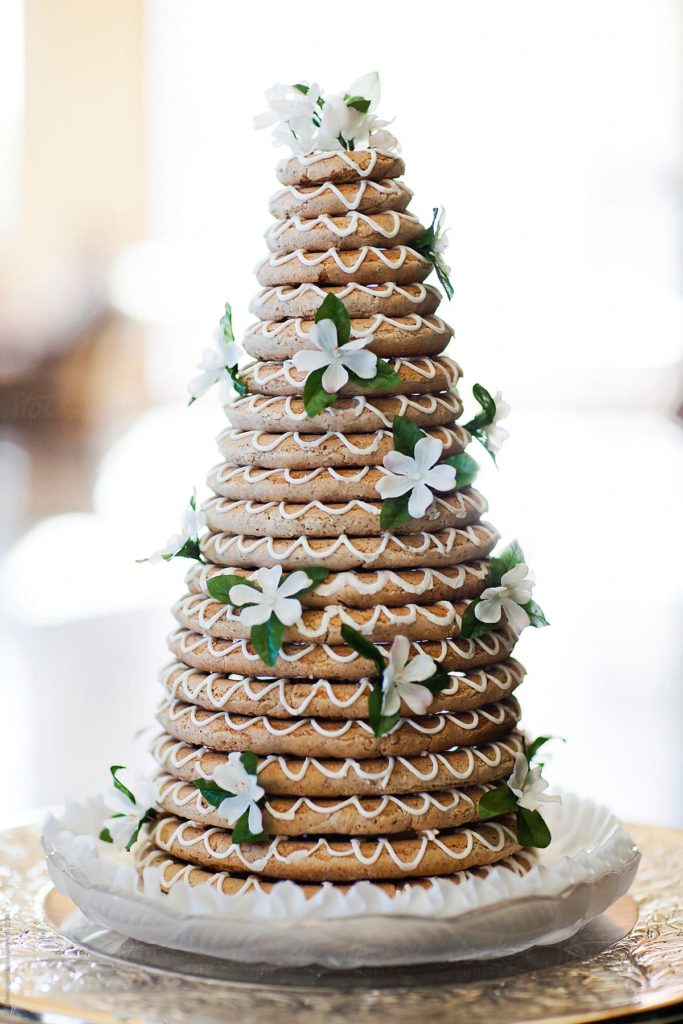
<point>422,366</point>
<point>184,794</point>
<point>345,224</point>
<point>316,623</point>
<point>314,259</point>
<point>426,404</point>
<point>356,191</point>
<point>189,642</point>
<point>178,754</point>
<point>279,549</point>
<point>255,474</point>
<point>357,444</point>
<point>430,725</point>
<point>189,685</point>
<point>412,322</point>
<point>346,157</point>
<point>414,293</point>
<point>456,504</point>
<point>365,851</point>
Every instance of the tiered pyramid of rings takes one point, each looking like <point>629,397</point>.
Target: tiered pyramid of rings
<point>341,803</point>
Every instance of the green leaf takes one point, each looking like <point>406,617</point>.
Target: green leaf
<point>406,435</point>
<point>394,512</point>
<point>250,761</point>
<point>364,647</point>
<point>332,308</point>
<point>266,639</point>
<point>301,88</point>
<point>497,801</point>
<point>220,586</point>
<point>241,833</point>
<point>424,242</point>
<point>149,815</point>
<point>532,829</point>
<point>465,468</point>
<point>380,724</point>
<point>444,279</point>
<point>316,575</point>
<point>105,836</point>
<point>315,397</point>
<point>507,559</point>
<point>385,377</point>
<point>358,103</point>
<point>486,416</point>
<point>118,784</point>
<point>226,323</point>
<point>437,682</point>
<point>237,382</point>
<point>535,613</point>
<point>471,627</point>
<point>534,747</point>
<point>190,549</point>
<point>211,791</point>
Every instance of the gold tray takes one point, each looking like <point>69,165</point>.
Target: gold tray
<point>628,960</point>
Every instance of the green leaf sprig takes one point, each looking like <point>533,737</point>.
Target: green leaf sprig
<point>483,419</point>
<point>382,724</point>
<point>315,397</point>
<point>190,546</point>
<point>215,795</point>
<point>532,830</point>
<point>471,627</point>
<point>406,435</point>
<point>424,245</point>
<point>267,637</point>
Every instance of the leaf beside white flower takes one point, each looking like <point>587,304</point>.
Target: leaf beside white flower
<point>132,801</point>
<point>432,244</point>
<point>185,543</point>
<point>509,597</point>
<point>523,794</point>
<point>485,426</point>
<point>218,365</point>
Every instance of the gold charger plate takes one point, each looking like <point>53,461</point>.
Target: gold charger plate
<point>629,960</point>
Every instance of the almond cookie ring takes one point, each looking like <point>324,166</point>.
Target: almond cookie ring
<point>324,737</point>
<point>347,231</point>
<point>367,589</point>
<point>411,335</point>
<point>174,871</point>
<point>321,698</point>
<point>324,484</point>
<point>323,661</point>
<point>334,199</point>
<point>353,518</point>
<point>417,376</point>
<point>345,816</point>
<point>373,164</point>
<point>285,301</point>
<point>324,625</point>
<point>359,415</point>
<point>368,265</point>
<point>340,860</point>
<point>440,549</point>
<point>293,450</point>
<point>470,765</point>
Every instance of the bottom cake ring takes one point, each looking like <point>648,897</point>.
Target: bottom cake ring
<point>491,912</point>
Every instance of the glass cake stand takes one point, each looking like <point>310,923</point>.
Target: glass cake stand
<point>58,966</point>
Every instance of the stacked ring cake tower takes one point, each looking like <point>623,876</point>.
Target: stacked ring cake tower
<point>340,803</point>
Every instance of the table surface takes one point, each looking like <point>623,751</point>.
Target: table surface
<point>44,973</point>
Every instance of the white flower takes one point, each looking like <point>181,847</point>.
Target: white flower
<point>338,359</point>
<point>235,778</point>
<point>418,475</point>
<point>293,115</point>
<point>440,243</point>
<point>401,679</point>
<point>495,435</point>
<point>271,599</point>
<point>191,522</point>
<point>529,786</point>
<point>214,366</point>
<point>122,828</point>
<point>515,590</point>
<point>338,119</point>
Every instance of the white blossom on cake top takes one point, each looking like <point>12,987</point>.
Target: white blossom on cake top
<point>234,777</point>
<point>337,359</point>
<point>401,679</point>
<point>274,597</point>
<point>417,475</point>
<point>529,786</point>
<point>516,586</point>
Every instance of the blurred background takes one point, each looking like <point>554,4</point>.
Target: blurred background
<point>133,196</point>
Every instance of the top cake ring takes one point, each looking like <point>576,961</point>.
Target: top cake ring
<point>367,265</point>
<point>334,199</point>
<point>372,164</point>
<point>346,231</point>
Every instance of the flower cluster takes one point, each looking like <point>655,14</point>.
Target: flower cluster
<point>485,426</point>
<point>185,543</point>
<point>219,365</point>
<point>308,121</point>
<point>133,805</point>
<point>432,244</point>
<point>508,598</point>
<point>235,793</point>
<point>523,794</point>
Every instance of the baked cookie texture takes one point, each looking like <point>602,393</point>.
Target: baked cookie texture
<point>341,804</point>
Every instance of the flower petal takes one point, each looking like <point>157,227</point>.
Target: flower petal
<point>393,486</point>
<point>307,361</point>
<point>420,668</point>
<point>418,698</point>
<point>441,478</point>
<point>288,610</point>
<point>364,364</point>
<point>427,452</point>
<point>397,462</point>
<point>420,500</point>
<point>489,610</point>
<point>255,819</point>
<point>334,378</point>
